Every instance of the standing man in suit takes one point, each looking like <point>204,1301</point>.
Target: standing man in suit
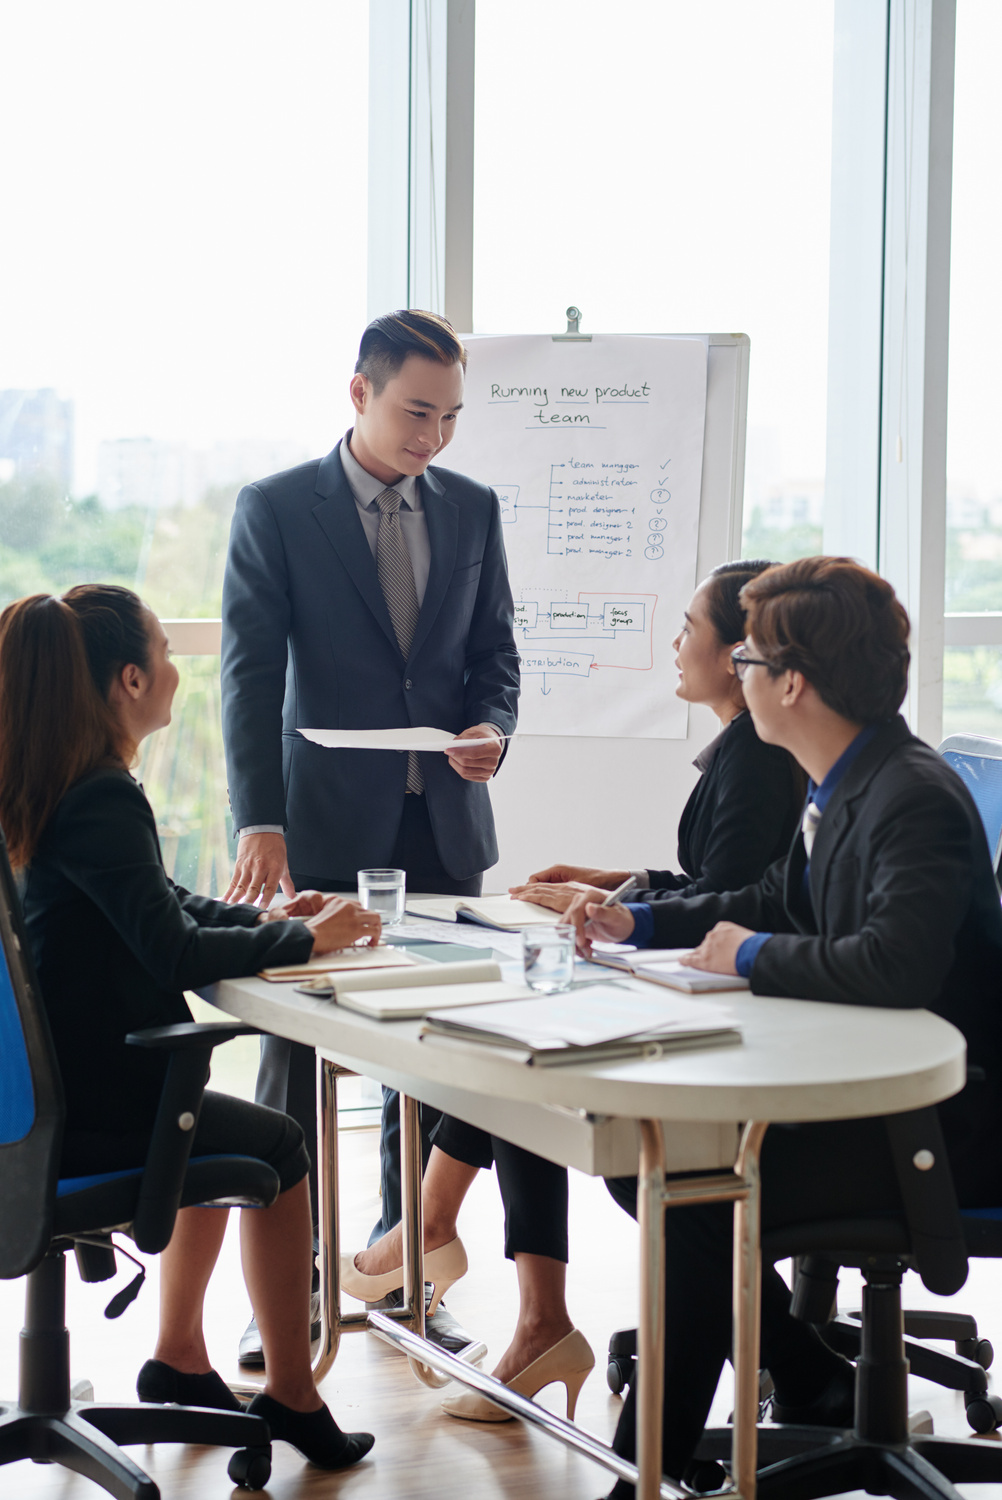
<point>367,590</point>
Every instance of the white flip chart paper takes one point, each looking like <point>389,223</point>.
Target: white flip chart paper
<point>595,450</point>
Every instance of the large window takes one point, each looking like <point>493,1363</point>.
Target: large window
<point>183,290</point>
<point>666,167</point>
<point>972,694</point>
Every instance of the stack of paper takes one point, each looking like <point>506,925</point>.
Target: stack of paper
<point>597,1024</point>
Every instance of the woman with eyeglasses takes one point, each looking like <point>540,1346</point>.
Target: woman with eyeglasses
<point>83,680</point>
<point>886,897</point>
<point>740,817</point>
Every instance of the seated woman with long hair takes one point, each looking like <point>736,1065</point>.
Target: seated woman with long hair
<point>740,817</point>
<point>83,680</point>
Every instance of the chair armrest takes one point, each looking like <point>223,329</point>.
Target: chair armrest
<point>190,1045</point>
<point>929,1199</point>
<point>186,1035</point>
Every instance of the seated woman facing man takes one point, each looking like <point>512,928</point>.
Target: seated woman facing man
<point>740,817</point>
<point>886,897</point>
<point>83,680</point>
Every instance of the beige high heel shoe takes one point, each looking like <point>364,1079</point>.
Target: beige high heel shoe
<point>570,1361</point>
<point>443,1266</point>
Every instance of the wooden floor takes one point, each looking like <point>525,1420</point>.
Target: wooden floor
<point>419,1451</point>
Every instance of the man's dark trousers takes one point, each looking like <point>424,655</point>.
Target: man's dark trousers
<point>287,1077</point>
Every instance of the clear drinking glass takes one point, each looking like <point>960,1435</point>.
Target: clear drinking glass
<point>548,957</point>
<point>384,891</point>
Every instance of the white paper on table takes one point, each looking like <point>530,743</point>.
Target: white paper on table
<point>393,739</point>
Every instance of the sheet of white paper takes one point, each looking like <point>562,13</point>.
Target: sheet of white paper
<point>390,739</point>
<point>596,452</point>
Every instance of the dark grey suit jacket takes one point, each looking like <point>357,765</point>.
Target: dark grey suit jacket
<point>307,641</point>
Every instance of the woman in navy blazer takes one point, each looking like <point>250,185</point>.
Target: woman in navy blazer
<point>740,817</point>
<point>83,680</point>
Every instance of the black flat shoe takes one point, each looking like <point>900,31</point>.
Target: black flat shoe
<point>834,1407</point>
<point>163,1385</point>
<point>314,1434</point>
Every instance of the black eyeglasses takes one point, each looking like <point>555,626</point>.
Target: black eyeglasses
<point>742,661</point>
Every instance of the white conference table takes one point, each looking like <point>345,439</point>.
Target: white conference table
<point>702,1111</point>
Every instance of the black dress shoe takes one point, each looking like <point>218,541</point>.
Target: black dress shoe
<point>250,1352</point>
<point>164,1385</point>
<point>441,1329</point>
<point>834,1407</point>
<point>314,1434</point>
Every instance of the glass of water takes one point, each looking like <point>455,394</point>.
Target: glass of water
<point>548,957</point>
<point>384,891</point>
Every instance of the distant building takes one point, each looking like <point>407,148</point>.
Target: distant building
<point>152,473</point>
<point>791,502</point>
<point>36,436</point>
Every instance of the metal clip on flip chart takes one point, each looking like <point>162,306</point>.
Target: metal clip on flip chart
<point>572,336</point>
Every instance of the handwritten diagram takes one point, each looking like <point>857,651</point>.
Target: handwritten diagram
<point>595,453</point>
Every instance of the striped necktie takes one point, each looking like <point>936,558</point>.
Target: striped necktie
<point>396,579</point>
<point>810,825</point>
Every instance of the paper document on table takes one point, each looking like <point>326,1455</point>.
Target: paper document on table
<point>599,1023</point>
<point>380,957</point>
<point>393,739</point>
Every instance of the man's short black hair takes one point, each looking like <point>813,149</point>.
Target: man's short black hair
<point>388,341</point>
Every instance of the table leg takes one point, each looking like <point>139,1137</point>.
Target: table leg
<point>747,1311</point>
<point>412,1212</point>
<point>332,1320</point>
<point>651,1328</point>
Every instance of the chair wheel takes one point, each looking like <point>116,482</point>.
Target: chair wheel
<point>704,1475</point>
<point>984,1413</point>
<point>618,1375</point>
<point>980,1350</point>
<point>250,1468</point>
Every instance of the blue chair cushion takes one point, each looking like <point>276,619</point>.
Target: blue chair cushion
<point>69,1185</point>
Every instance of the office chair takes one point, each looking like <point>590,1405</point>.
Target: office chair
<point>879,1454</point>
<point>44,1217</point>
<point>978,762</point>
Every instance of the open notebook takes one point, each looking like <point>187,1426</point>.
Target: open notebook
<point>665,966</point>
<point>502,912</point>
<point>395,994</point>
<point>354,960</point>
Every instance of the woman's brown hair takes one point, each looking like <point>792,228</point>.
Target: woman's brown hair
<point>58,658</point>
<point>840,625</point>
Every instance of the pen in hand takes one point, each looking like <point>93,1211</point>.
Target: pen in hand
<point>616,896</point>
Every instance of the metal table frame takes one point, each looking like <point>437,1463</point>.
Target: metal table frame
<point>404,1327</point>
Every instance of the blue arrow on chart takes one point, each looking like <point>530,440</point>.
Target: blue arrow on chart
<point>545,690</point>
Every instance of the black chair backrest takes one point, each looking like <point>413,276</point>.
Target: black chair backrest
<point>31,1096</point>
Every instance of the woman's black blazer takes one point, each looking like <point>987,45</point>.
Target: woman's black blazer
<point>741,816</point>
<point>115,944</point>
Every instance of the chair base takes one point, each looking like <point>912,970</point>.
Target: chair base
<point>86,1439</point>
<point>808,1463</point>
<point>958,1371</point>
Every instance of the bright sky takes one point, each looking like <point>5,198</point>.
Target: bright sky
<point>185,191</point>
